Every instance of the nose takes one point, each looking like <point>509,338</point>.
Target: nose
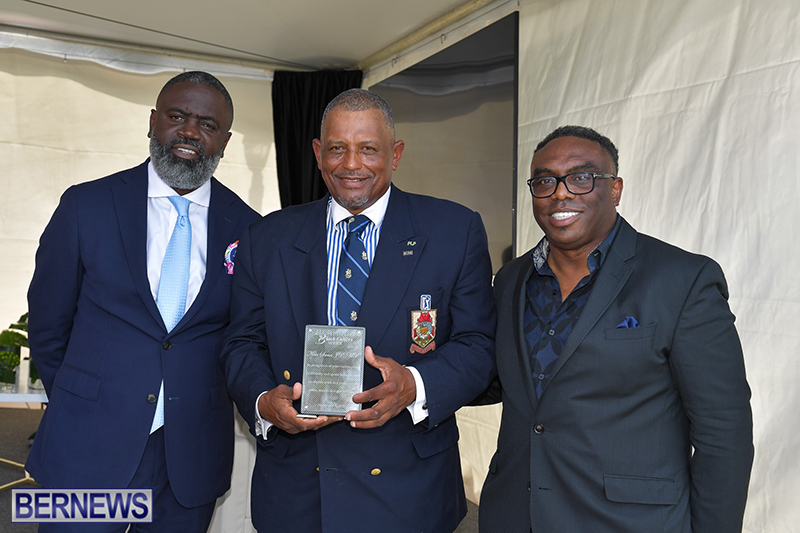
<point>351,161</point>
<point>561,191</point>
<point>190,129</point>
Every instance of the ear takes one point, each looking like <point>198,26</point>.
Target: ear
<point>152,123</point>
<point>616,190</point>
<point>399,146</point>
<point>317,145</point>
<point>222,152</point>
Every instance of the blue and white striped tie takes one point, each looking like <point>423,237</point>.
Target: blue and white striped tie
<point>353,272</point>
<point>174,283</point>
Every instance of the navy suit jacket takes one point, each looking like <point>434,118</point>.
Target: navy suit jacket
<point>608,446</point>
<point>399,477</point>
<point>101,346</point>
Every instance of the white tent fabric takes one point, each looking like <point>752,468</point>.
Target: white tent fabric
<point>702,99</point>
<point>142,61</point>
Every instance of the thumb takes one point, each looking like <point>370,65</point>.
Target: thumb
<point>297,391</point>
<point>371,358</point>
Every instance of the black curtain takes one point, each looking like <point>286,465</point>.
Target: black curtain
<point>298,101</point>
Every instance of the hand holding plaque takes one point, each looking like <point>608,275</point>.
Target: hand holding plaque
<point>333,370</point>
<point>397,391</point>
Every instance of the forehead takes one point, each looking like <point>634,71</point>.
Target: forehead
<point>572,153</point>
<point>355,125</point>
<point>195,99</point>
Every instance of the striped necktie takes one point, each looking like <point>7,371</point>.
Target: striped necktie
<point>353,272</point>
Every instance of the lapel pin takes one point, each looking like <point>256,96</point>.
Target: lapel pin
<point>230,255</point>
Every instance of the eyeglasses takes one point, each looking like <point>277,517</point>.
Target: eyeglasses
<point>575,182</point>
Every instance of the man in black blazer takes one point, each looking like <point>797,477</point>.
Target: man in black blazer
<point>625,403</point>
<point>137,398</point>
<point>429,316</point>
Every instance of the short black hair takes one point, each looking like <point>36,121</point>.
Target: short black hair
<point>360,100</point>
<point>584,133</point>
<point>201,78</point>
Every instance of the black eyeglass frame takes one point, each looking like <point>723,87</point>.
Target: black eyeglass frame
<point>563,179</point>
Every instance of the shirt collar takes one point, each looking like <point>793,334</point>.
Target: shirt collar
<point>376,212</point>
<point>156,188</point>
<point>594,260</point>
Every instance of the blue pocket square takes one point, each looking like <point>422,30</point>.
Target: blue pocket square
<point>628,322</point>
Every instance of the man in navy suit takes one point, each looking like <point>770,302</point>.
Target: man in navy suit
<point>625,403</point>
<point>137,401</point>
<point>429,317</point>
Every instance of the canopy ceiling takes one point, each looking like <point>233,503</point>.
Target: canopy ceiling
<point>301,34</point>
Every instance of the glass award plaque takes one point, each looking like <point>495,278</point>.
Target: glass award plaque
<point>333,370</point>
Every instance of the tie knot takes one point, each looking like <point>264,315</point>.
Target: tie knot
<point>357,224</point>
<point>181,204</point>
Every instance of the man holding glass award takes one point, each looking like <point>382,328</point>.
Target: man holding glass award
<point>368,274</point>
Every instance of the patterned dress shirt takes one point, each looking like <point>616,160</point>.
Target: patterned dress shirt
<point>549,320</point>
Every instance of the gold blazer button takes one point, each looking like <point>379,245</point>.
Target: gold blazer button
<point>375,471</point>
<point>286,375</point>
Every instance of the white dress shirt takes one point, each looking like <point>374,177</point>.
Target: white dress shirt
<point>161,218</point>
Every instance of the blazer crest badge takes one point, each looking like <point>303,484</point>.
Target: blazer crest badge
<point>423,326</point>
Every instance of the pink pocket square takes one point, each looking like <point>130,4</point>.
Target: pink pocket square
<point>230,255</point>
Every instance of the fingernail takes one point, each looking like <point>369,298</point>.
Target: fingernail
<point>352,424</point>
<point>347,417</point>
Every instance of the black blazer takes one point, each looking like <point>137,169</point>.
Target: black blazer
<point>608,446</point>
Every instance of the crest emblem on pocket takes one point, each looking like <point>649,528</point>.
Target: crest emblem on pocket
<point>423,326</point>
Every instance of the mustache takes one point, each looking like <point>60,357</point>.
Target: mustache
<point>191,142</point>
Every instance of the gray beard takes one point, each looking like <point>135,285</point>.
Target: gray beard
<point>179,173</point>
<point>353,203</point>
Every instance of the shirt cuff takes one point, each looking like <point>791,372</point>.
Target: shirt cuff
<point>418,409</point>
<point>262,424</point>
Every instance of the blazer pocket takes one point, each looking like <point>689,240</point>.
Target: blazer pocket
<point>646,490</point>
<point>78,382</point>
<point>624,334</point>
<point>435,440</point>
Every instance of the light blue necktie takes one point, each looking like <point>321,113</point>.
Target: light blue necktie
<point>353,272</point>
<point>174,282</point>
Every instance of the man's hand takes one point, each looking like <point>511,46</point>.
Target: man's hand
<point>276,406</point>
<point>397,392</point>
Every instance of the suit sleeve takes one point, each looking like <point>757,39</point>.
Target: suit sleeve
<point>708,366</point>
<point>463,367</point>
<point>53,293</point>
<point>245,353</point>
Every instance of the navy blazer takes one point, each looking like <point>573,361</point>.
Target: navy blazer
<point>608,446</point>
<point>399,477</point>
<point>101,347</point>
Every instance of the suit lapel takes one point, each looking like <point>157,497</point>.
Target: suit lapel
<point>305,266</point>
<point>396,257</point>
<point>222,223</point>
<point>610,280</point>
<point>519,302</point>
<point>130,202</point>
